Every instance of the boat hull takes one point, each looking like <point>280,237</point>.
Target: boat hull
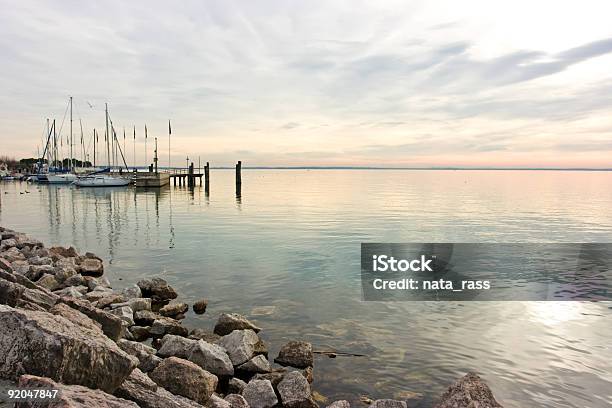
<point>67,178</point>
<point>101,181</point>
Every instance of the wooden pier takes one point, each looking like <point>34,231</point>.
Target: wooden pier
<point>185,177</point>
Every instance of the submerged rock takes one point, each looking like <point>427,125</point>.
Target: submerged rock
<point>260,394</point>
<point>185,378</point>
<point>200,306</point>
<point>70,396</point>
<point>468,391</point>
<point>228,322</point>
<point>390,403</point>
<point>44,344</point>
<point>240,345</point>
<point>294,391</point>
<point>158,288</point>
<point>296,354</point>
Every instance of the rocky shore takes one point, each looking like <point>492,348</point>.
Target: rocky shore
<point>65,328</point>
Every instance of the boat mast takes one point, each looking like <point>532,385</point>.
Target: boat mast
<point>108,153</point>
<point>71,156</point>
<point>94,146</point>
<point>155,158</point>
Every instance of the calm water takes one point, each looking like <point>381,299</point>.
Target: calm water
<point>287,254</point>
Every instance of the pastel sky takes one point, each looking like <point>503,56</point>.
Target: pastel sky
<point>372,83</point>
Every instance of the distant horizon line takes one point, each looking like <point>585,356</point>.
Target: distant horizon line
<point>400,168</point>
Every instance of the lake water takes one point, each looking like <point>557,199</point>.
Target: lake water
<point>286,254</point>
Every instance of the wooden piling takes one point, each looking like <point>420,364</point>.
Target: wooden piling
<point>207,177</point>
<point>239,178</point>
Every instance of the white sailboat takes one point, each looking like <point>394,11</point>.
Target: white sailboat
<point>61,178</point>
<point>103,178</point>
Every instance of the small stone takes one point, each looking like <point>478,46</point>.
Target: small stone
<point>200,306</point>
<point>237,401</point>
<point>229,322</point>
<point>258,365</point>
<point>260,394</point>
<point>185,378</point>
<point>296,354</point>
<point>173,309</point>
<point>165,325</point>
<point>126,314</point>
<point>92,267</point>
<point>75,280</point>
<point>157,287</point>
<point>294,391</point>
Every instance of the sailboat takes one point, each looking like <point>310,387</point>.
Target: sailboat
<point>103,178</point>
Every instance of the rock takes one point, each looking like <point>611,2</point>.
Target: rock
<point>91,255</point>
<point>339,404</point>
<point>389,403</point>
<point>97,294</point>
<point>185,378</point>
<point>74,280</point>
<point>294,391</point>
<point>261,348</point>
<point>35,272</point>
<point>11,254</point>
<point>257,365</point>
<point>237,401</point>
<point>468,391</point>
<point>140,333</point>
<point>64,252</point>
<point>6,265</point>
<point>16,295</point>
<point>275,377</point>
<point>142,390</point>
<point>296,354</point>
<point>217,402</point>
<point>145,354</point>
<point>165,325</point>
<point>211,358</point>
<point>240,345</point>
<point>260,394</point>
<point>48,282</point>
<point>76,317</point>
<point>125,313</point>
<point>20,267</point>
<point>7,243</point>
<point>38,260</point>
<point>173,309</point>
<point>158,288</point>
<point>308,374</point>
<point>111,325</point>
<point>203,334</point>
<point>109,300</point>
<point>62,273</point>
<point>145,317</point>
<point>70,396</point>
<point>92,267</point>
<point>18,279</point>
<point>235,386</point>
<point>132,292</point>
<point>177,346</point>
<point>73,291</point>
<point>44,344</point>
<point>200,306</point>
<point>228,322</point>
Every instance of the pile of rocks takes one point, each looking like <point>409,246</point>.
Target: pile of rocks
<point>64,327</point>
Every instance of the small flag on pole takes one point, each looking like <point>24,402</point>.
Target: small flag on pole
<point>169,128</point>
<point>145,131</point>
<point>134,132</point>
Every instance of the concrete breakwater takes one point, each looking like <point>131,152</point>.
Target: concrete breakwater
<point>65,328</point>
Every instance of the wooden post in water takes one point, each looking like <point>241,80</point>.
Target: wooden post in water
<point>207,177</point>
<point>190,176</point>
<point>239,178</point>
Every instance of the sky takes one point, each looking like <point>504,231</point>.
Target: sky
<point>316,83</point>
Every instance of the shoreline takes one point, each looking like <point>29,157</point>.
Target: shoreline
<point>71,331</point>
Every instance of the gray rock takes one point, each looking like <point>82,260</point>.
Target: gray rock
<point>92,267</point>
<point>132,292</point>
<point>260,394</point>
<point>339,404</point>
<point>12,254</point>
<point>48,282</point>
<point>109,300</point>
<point>158,288</point>
<point>258,365</point>
<point>76,317</point>
<point>140,333</point>
<point>36,271</point>
<point>38,260</point>
<point>145,317</point>
<point>44,344</point>
<point>165,325</point>
<point>275,377</point>
<point>125,313</point>
<point>212,358</point>
<point>111,325</point>
<point>236,401</point>
<point>296,354</point>
<point>70,396</point>
<point>217,402</point>
<point>145,354</point>
<point>7,243</point>
<point>468,391</point>
<point>74,280</point>
<point>73,291</point>
<point>200,306</point>
<point>294,391</point>
<point>173,309</point>
<point>203,334</point>
<point>389,403</point>
<point>177,346</point>
<point>185,378</point>
<point>240,345</point>
<point>235,386</point>
<point>63,252</point>
<point>228,322</point>
<point>62,273</point>
<point>17,295</point>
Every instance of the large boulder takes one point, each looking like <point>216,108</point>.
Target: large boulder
<point>76,317</point>
<point>177,346</point>
<point>157,288</point>
<point>16,295</point>
<point>147,394</point>
<point>212,358</point>
<point>296,354</point>
<point>236,401</point>
<point>44,344</point>
<point>228,322</point>
<point>145,354</point>
<point>294,391</point>
<point>111,325</point>
<point>185,378</point>
<point>260,394</point>
<point>165,325</point>
<point>257,365</point>
<point>240,345</point>
<point>468,391</point>
<point>70,396</point>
